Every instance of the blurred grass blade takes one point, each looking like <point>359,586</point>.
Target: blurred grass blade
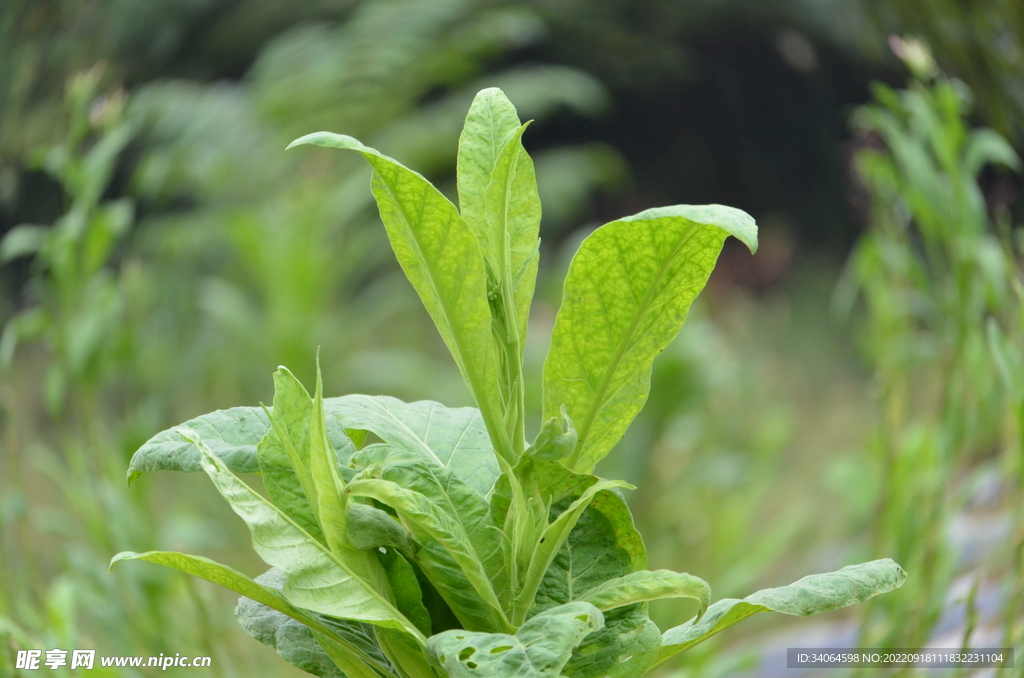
<point>810,595</point>
<point>628,291</point>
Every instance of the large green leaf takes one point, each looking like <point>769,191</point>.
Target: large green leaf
<point>296,643</point>
<point>628,291</point>
<point>442,259</point>
<point>454,438</point>
<point>460,548</point>
<point>357,657</point>
<point>317,579</point>
<point>810,595</point>
<point>232,435</point>
<point>539,649</point>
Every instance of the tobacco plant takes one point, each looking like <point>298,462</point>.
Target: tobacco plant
<point>415,540</point>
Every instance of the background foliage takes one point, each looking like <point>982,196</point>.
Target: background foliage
<point>162,255</point>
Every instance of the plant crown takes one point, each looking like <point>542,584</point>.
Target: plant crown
<point>451,547</point>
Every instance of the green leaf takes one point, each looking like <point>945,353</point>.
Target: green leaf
<point>500,203</point>
<point>284,482</point>
<point>317,579</point>
<point>290,431</point>
<point>623,648</point>
<point>491,121</point>
<point>643,586</point>
<point>406,589</point>
<point>539,649</point>
<point>810,595</point>
<point>460,549</point>
<point>557,438</point>
<point>442,259</point>
<point>296,642</point>
<point>265,595</point>
<point>331,510</point>
<point>232,436</point>
<point>603,545</point>
<point>454,438</point>
<point>627,293</point>
<point>370,528</point>
<point>551,541</point>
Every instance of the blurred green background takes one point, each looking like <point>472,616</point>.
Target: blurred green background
<point>856,390</point>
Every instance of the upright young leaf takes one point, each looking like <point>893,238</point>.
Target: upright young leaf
<point>603,545</point>
<point>539,649</point>
<point>491,120</point>
<point>627,293</point>
<point>442,259</point>
<point>283,454</point>
<point>810,595</point>
<point>500,202</point>
<point>317,580</point>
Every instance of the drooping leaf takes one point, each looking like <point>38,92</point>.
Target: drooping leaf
<point>459,549</point>
<point>442,259</point>
<point>317,580</point>
<point>539,649</point>
<point>627,293</point>
<point>810,595</point>
<point>357,655</point>
<point>296,642</point>
<point>454,438</point>
<point>643,586</point>
<point>232,435</point>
